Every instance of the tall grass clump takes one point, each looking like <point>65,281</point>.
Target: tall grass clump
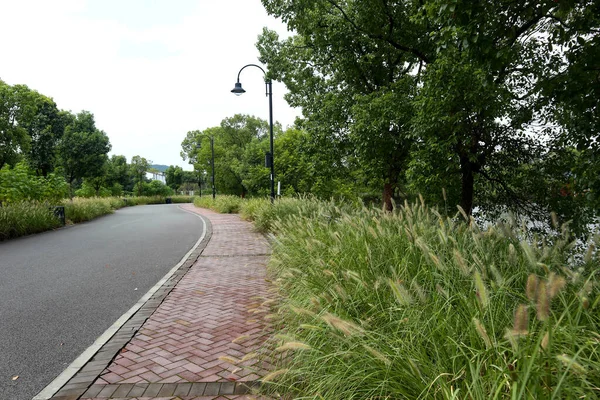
<point>225,204</point>
<point>143,200</point>
<point>265,214</point>
<point>409,304</point>
<point>80,209</point>
<point>182,199</point>
<point>25,218</point>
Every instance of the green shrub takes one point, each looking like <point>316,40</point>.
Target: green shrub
<point>152,189</point>
<point>88,190</point>
<point>21,184</point>
<point>25,218</point>
<point>116,189</point>
<point>413,305</point>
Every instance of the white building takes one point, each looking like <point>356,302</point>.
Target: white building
<point>156,176</point>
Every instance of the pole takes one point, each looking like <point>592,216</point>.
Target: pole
<point>212,150</point>
<point>237,90</point>
<point>270,92</point>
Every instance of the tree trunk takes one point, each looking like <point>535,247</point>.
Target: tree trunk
<point>388,192</point>
<point>467,185</point>
<point>71,179</point>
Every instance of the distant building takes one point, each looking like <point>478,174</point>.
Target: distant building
<point>156,176</point>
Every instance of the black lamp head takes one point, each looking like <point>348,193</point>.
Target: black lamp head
<point>238,90</point>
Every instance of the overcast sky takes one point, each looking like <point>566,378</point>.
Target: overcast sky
<point>149,70</point>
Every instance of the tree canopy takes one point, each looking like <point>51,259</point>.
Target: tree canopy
<point>471,97</point>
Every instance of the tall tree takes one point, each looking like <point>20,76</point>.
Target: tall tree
<point>83,149</point>
<point>139,166</point>
<point>45,128</point>
<point>118,173</point>
<point>240,143</point>
<point>15,108</point>
<point>477,71</point>
<point>354,87</point>
<point>173,176</point>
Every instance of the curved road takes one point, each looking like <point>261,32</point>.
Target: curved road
<point>61,290</point>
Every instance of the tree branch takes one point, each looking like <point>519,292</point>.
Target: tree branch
<point>389,40</point>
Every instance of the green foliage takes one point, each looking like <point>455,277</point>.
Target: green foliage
<point>470,97</point>
<point>118,173</point>
<point>20,184</point>
<point>31,127</point>
<point>354,87</point>
<point>143,200</point>
<point>182,199</point>
<point>19,218</point>
<point>116,189</point>
<point>153,188</point>
<point>173,176</point>
<point>139,166</point>
<point>267,215</point>
<point>88,189</point>
<point>85,209</point>
<point>411,304</point>
<point>240,144</point>
<point>224,204</point>
<point>26,218</point>
<point>83,149</point>
<point>15,107</point>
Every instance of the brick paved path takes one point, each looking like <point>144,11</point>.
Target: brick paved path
<point>179,351</point>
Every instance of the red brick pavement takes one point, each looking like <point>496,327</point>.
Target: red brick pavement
<point>189,337</point>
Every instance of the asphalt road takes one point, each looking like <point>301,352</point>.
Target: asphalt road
<point>61,290</point>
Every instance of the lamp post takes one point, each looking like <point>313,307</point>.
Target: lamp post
<point>212,152</point>
<point>238,90</point>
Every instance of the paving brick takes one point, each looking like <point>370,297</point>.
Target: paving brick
<point>212,388</point>
<point>227,388</point>
<point>137,390</point>
<point>167,389</point>
<point>182,389</point>
<point>197,389</point>
<point>152,390</point>
<point>123,390</point>
<point>107,391</point>
<point>93,391</point>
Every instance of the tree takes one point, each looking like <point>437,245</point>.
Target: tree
<point>45,129</point>
<point>31,126</point>
<point>240,143</point>
<point>472,74</point>
<point>83,149</point>
<point>118,175</point>
<point>173,176</point>
<point>354,88</point>
<point>20,183</point>
<point>15,107</point>
<point>139,166</point>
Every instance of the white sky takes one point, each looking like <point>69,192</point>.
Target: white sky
<point>149,70</point>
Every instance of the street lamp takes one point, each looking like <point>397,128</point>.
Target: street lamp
<point>212,152</point>
<point>238,90</point>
